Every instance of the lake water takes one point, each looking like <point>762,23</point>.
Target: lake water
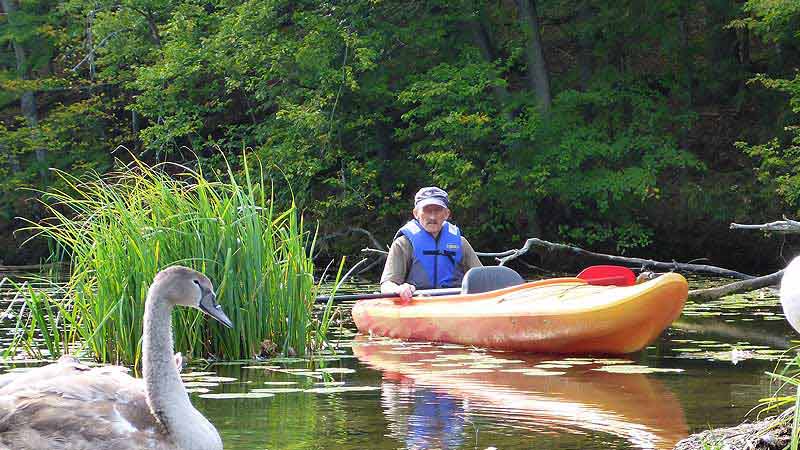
<point>707,370</point>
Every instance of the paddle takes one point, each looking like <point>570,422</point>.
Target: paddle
<point>602,275</point>
<point>425,292</point>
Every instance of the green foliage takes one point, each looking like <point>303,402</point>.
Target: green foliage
<point>609,149</point>
<point>774,20</point>
<point>120,229</point>
<point>72,134</point>
<point>778,158</point>
<point>359,103</point>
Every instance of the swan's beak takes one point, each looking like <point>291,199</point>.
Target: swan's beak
<point>209,305</point>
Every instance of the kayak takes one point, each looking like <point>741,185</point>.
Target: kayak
<point>558,315</point>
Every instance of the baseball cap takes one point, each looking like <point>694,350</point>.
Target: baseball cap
<point>431,195</point>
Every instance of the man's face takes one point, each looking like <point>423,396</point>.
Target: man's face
<point>432,217</point>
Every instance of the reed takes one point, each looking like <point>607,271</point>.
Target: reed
<point>789,378</point>
<point>119,229</point>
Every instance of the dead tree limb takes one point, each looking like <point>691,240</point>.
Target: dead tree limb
<point>374,263</point>
<point>375,251</point>
<point>348,231</point>
<point>737,287</point>
<point>498,254</point>
<point>785,226</point>
<point>643,264</point>
<point>357,230</point>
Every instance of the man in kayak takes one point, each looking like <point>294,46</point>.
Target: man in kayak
<point>428,252</point>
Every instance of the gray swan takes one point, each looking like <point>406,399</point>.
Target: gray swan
<point>70,406</point>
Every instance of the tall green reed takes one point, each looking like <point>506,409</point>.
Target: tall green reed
<point>119,229</point>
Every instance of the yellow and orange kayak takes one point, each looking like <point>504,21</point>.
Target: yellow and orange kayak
<point>559,315</point>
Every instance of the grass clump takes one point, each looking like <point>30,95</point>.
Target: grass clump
<point>119,229</point>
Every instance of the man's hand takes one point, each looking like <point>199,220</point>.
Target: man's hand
<point>406,291</point>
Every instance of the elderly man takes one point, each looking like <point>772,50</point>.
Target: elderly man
<point>428,251</point>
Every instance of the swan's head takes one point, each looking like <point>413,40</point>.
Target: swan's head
<point>187,287</point>
<point>790,293</point>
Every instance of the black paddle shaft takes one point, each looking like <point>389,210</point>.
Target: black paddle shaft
<point>426,292</point>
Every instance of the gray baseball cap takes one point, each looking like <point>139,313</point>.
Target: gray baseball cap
<point>431,195</point>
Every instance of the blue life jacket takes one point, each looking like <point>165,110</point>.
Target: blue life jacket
<point>434,263</point>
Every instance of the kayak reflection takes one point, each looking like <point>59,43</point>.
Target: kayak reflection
<point>431,392</point>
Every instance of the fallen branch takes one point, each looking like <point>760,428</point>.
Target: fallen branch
<point>498,254</point>
<point>643,264</point>
<point>748,283</point>
<point>779,226</point>
<point>737,287</point>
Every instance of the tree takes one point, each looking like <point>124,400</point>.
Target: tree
<point>17,32</point>
<point>534,54</point>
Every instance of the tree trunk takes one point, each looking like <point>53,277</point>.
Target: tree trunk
<point>28,100</point>
<point>719,51</point>
<point>478,28</point>
<point>585,47</point>
<point>534,54</point>
<point>135,124</point>
<point>90,44</point>
<point>684,54</point>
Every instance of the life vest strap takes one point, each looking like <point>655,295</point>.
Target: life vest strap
<point>449,253</point>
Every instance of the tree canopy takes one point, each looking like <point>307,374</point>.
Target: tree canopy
<point>613,125</point>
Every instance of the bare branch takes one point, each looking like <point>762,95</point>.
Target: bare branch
<point>737,287</point>
<point>346,276</point>
<point>371,265</point>
<point>643,264</point>
<point>100,45</point>
<point>779,226</point>
<point>357,230</point>
<point>496,255</point>
<point>375,250</point>
<point>351,230</point>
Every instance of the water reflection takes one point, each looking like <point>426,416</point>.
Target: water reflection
<point>422,417</point>
<point>433,393</point>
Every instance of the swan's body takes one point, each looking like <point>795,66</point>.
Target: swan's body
<point>790,293</point>
<point>70,406</point>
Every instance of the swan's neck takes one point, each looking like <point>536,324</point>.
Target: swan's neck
<point>166,396</point>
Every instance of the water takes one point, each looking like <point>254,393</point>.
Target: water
<point>707,370</point>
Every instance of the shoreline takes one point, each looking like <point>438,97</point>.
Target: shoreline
<point>771,433</point>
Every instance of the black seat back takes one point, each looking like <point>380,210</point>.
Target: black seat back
<point>484,279</point>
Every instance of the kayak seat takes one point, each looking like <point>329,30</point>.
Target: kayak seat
<point>490,278</point>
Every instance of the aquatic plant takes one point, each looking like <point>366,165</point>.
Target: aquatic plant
<point>119,229</point>
<point>790,418</point>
